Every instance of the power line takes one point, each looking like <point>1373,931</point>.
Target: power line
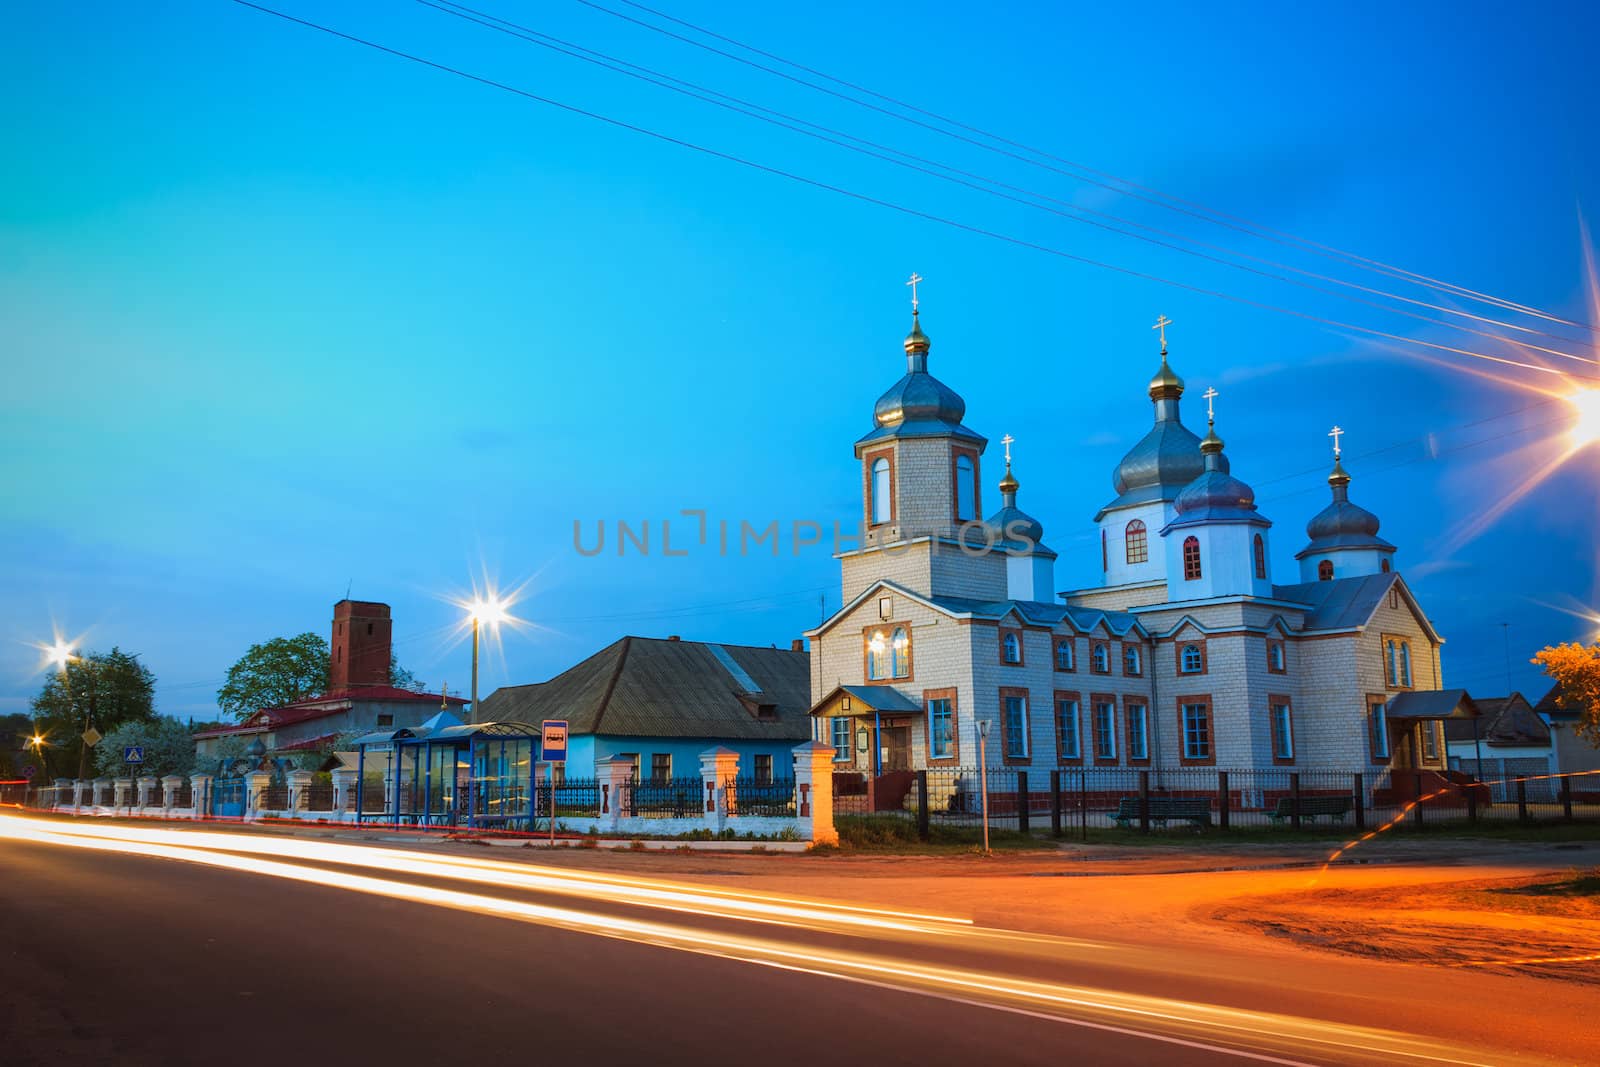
<point>920,164</point>
<point>1156,197</point>
<point>901,208</point>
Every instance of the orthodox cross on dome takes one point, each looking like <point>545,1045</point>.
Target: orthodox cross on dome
<point>1336,433</point>
<point>915,278</point>
<point>1210,394</point>
<point>1008,441</point>
<point>1162,322</point>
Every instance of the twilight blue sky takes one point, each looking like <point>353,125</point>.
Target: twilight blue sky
<point>281,315</point>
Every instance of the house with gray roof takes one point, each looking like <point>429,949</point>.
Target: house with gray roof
<point>1507,740</point>
<point>662,702</point>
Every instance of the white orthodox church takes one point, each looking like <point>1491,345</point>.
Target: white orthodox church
<point>1190,651</point>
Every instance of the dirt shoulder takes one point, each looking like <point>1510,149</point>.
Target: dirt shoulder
<point>1545,925</point>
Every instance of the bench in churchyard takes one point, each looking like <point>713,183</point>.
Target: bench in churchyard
<point>1334,807</point>
<point>1165,809</point>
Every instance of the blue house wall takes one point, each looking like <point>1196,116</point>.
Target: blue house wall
<point>583,751</point>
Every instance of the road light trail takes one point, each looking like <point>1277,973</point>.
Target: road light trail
<point>1256,1035</point>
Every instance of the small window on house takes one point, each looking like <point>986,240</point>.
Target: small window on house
<point>385,720</point>
<point>1325,571</point>
<point>1430,739</point>
<point>1196,731</point>
<point>763,768</point>
<point>841,739</point>
<point>1398,666</point>
<point>660,766</point>
<point>1100,658</point>
<point>941,729</point>
<point>880,490</point>
<point>1016,727</point>
<point>1384,566</point>
<point>1138,732</point>
<point>1261,557</point>
<point>1378,729</point>
<point>1011,648</point>
<point>1191,660</point>
<point>369,629</point>
<point>1132,662</point>
<point>1105,731</point>
<point>1282,731</point>
<point>1137,542</point>
<point>966,489</point>
<point>1064,661</point>
<point>1067,743</point>
<point>1191,558</point>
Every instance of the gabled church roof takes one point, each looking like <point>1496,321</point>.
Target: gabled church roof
<point>1348,603</point>
<point>1031,612</point>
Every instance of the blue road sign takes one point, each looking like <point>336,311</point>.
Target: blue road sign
<point>133,754</point>
<point>27,772</point>
<point>553,741</point>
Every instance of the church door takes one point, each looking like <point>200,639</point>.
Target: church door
<point>897,748</point>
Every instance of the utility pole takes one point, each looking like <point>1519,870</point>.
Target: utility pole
<point>1505,628</point>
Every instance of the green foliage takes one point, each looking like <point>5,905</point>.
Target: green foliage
<point>14,753</point>
<point>275,672</point>
<point>167,746</point>
<point>103,689</point>
<point>284,670</point>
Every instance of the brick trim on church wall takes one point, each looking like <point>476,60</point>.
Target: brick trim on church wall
<point>954,759</point>
<point>1055,726</point>
<point>1272,729</point>
<point>1210,759</point>
<point>1116,728</point>
<point>867,461</point>
<point>956,452</point>
<point>1027,726</point>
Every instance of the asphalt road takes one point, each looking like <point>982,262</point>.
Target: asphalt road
<point>117,953</point>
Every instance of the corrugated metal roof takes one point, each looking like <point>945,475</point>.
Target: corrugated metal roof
<point>647,687</point>
<point>1339,604</point>
<point>1432,704</point>
<point>1505,721</point>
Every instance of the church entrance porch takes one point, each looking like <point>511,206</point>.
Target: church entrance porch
<point>871,730</point>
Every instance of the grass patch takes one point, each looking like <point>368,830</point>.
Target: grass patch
<point>1580,884</point>
<point>893,833</point>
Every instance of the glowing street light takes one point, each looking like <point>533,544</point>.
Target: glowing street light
<point>1585,428</point>
<point>489,611</point>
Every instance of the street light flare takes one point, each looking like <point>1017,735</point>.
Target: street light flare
<point>1585,429</point>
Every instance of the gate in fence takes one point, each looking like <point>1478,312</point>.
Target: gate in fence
<point>228,797</point>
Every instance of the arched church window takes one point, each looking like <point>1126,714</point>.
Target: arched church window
<point>1384,566</point>
<point>1102,658</point>
<point>1192,660</point>
<point>1325,571</point>
<point>900,653</point>
<point>1064,654</point>
<point>1261,557</point>
<point>966,489</point>
<point>1138,544</point>
<point>1191,558</point>
<point>880,490</point>
<point>1013,649</point>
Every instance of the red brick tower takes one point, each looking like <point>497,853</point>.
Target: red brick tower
<point>362,638</point>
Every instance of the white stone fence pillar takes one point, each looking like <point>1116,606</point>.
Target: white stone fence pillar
<point>255,793</point>
<point>82,792</point>
<point>719,767</point>
<point>344,789</point>
<point>123,797</point>
<point>170,784</point>
<point>299,787</point>
<point>145,786</point>
<point>200,793</point>
<point>103,794</point>
<point>66,792</point>
<point>813,787</point>
<point>614,775</point>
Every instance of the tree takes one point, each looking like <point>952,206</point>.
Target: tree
<point>15,730</point>
<point>168,748</point>
<point>284,670</point>
<point>275,672</point>
<point>1576,669</point>
<point>102,689</point>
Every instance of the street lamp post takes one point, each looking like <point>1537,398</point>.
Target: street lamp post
<point>62,655</point>
<point>491,611</point>
<point>983,778</point>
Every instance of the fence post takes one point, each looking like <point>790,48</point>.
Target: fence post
<point>255,793</point>
<point>1144,802</point>
<point>344,793</point>
<point>922,805</point>
<point>1416,809</point>
<point>1022,801</point>
<point>1083,802</point>
<point>299,785</point>
<point>613,774</point>
<point>1361,802</point>
<point>1566,798</point>
<point>1055,803</point>
<point>1522,801</point>
<point>719,768</point>
<point>1294,791</point>
<point>1223,807</point>
<point>122,792</point>
<point>62,785</point>
<point>1472,802</point>
<point>170,784</point>
<point>200,793</point>
<point>144,787</point>
<point>813,783</point>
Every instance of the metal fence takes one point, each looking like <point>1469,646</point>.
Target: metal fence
<point>1104,798</point>
<point>751,797</point>
<point>319,795</point>
<point>576,798</point>
<point>663,798</point>
<point>276,796</point>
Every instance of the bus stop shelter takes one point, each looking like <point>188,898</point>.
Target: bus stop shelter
<point>449,773</point>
